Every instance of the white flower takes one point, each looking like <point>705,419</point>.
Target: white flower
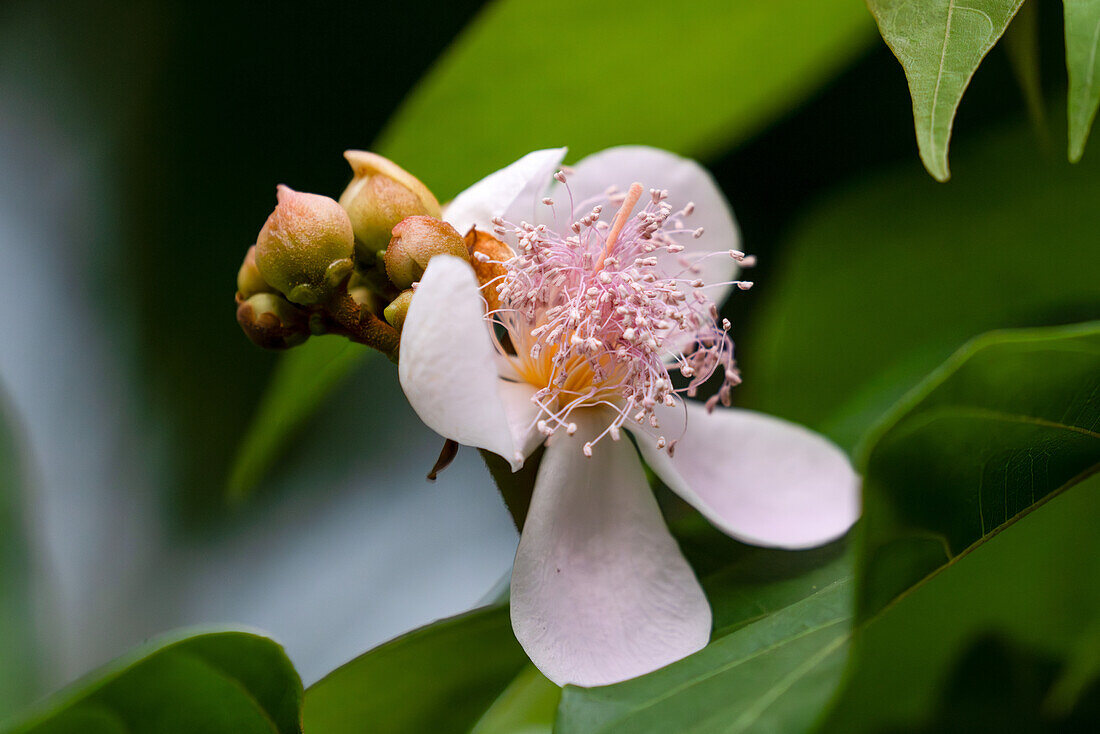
<point>599,303</point>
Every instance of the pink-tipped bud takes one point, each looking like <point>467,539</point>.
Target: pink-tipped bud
<point>304,249</point>
<point>416,240</point>
<point>380,195</point>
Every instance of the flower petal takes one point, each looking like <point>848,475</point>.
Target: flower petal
<point>600,590</point>
<point>448,370</point>
<point>511,191</point>
<point>686,181</point>
<point>758,478</point>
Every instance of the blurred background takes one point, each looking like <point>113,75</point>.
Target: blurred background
<point>140,146</point>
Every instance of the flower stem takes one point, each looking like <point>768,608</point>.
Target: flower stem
<point>360,325</point>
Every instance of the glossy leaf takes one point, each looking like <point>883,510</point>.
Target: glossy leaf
<point>873,294</point>
<point>940,44</point>
<point>302,379</point>
<point>439,678</point>
<point>593,89</point>
<point>1006,421</point>
<point>772,675</point>
<point>18,651</point>
<point>231,682</point>
<point>1082,21</point>
<point>766,580</point>
<point>1034,584</point>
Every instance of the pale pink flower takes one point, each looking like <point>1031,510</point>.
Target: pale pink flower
<point>610,290</point>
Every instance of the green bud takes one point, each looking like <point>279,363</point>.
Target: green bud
<point>249,280</point>
<point>416,240</point>
<point>395,312</point>
<point>380,195</point>
<point>271,322</point>
<point>304,249</point>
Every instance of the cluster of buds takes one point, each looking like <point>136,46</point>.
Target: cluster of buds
<point>347,267</point>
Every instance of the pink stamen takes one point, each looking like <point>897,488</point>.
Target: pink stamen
<point>592,315</point>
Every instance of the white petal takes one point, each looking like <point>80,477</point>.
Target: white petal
<point>758,478</point>
<point>448,370</point>
<point>522,415</point>
<point>600,590</point>
<point>686,181</point>
<point>514,190</point>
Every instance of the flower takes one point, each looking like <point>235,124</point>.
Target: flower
<point>568,336</point>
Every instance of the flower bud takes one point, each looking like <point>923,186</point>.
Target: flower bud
<point>271,322</point>
<point>416,240</point>
<point>304,249</point>
<point>380,195</point>
<point>395,312</point>
<point>249,280</point>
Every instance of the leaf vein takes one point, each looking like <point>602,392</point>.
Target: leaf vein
<point>740,661</point>
<point>770,696</point>
<point>939,75</point>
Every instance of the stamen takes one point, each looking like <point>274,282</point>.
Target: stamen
<point>592,316</point>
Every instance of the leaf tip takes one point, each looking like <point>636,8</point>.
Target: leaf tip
<point>939,170</point>
<point>1076,148</point>
<point>934,159</point>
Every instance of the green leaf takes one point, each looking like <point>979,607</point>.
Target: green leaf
<point>772,675</point>
<point>302,379</point>
<point>231,682</point>
<point>873,295</point>
<point>1083,64</point>
<point>940,44</point>
<point>1034,583</point>
<point>1009,419</point>
<point>592,89</point>
<point>18,649</point>
<point>439,678</point>
<point>614,72</point>
<point>765,580</point>
<point>527,706</point>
